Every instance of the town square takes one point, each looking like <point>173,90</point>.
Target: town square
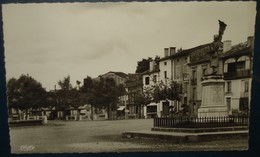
<point>129,77</point>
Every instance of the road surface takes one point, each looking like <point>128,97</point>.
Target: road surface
<point>101,136</point>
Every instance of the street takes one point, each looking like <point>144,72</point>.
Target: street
<point>101,136</point>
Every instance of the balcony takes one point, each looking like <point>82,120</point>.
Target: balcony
<point>237,74</point>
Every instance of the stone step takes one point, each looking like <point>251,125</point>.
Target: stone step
<point>180,137</point>
<point>200,130</point>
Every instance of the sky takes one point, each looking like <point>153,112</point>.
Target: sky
<point>52,41</point>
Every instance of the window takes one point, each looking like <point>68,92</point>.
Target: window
<point>147,80</point>
<point>227,65</point>
<point>165,108</point>
<point>246,86</point>
<point>243,104</point>
<point>151,109</point>
<point>185,87</point>
<point>240,66</point>
<point>231,67</point>
<point>194,74</point>
<point>165,63</point>
<point>228,103</point>
<point>245,59</point>
<point>204,71</point>
<point>194,77</point>
<point>229,86</point>
<point>178,71</point>
<point>184,68</point>
<point>194,94</point>
<point>165,74</point>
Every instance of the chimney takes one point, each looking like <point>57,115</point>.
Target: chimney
<point>250,42</point>
<point>151,65</point>
<point>166,52</point>
<point>226,45</point>
<point>172,50</point>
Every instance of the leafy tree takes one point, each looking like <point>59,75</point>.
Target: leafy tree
<point>106,93</point>
<point>102,94</point>
<point>164,92</point>
<point>88,94</point>
<point>142,65</point>
<point>88,85</point>
<point>67,96</point>
<point>167,92</point>
<point>25,93</point>
<point>139,98</point>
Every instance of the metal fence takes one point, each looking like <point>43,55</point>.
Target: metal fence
<point>206,122</point>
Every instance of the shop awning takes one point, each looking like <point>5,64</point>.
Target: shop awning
<point>121,108</point>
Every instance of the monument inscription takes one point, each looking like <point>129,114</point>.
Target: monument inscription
<point>217,94</point>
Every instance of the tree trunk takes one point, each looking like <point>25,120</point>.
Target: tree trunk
<point>91,112</point>
<point>139,111</point>
<point>109,111</point>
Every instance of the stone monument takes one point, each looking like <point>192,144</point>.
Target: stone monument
<point>212,103</point>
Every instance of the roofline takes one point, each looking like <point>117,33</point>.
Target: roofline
<point>184,52</point>
<point>245,50</point>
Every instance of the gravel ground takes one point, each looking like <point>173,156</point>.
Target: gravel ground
<point>102,136</point>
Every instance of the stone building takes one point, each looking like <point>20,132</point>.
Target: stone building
<point>119,77</point>
<point>149,78</point>
<point>237,70</point>
<point>134,85</point>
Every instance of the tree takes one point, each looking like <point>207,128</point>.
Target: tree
<point>25,93</point>
<point>67,96</point>
<point>170,92</point>
<point>106,93</point>
<point>102,94</point>
<point>88,95</point>
<point>142,65</point>
<point>139,98</point>
<point>167,92</point>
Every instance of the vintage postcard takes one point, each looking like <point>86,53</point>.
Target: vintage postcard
<point>128,76</point>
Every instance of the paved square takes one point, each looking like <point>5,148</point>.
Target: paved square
<point>101,136</point>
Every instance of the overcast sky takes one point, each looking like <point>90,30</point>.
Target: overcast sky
<point>51,41</point>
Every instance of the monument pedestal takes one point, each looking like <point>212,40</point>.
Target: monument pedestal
<point>212,103</point>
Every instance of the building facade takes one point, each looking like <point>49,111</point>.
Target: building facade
<point>150,78</point>
<point>237,72</point>
<point>134,86</point>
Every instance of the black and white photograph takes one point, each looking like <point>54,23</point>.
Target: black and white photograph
<point>128,76</point>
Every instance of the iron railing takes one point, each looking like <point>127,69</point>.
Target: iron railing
<point>206,122</point>
<point>237,74</point>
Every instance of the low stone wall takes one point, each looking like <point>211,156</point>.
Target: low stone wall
<point>18,123</point>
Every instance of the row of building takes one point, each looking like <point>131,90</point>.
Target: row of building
<point>188,67</point>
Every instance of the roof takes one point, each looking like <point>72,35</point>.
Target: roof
<point>237,50</point>
<point>185,52</point>
<point>134,80</point>
<point>120,74</point>
<point>155,70</point>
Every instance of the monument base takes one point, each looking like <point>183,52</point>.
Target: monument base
<point>212,104</point>
<point>213,111</point>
